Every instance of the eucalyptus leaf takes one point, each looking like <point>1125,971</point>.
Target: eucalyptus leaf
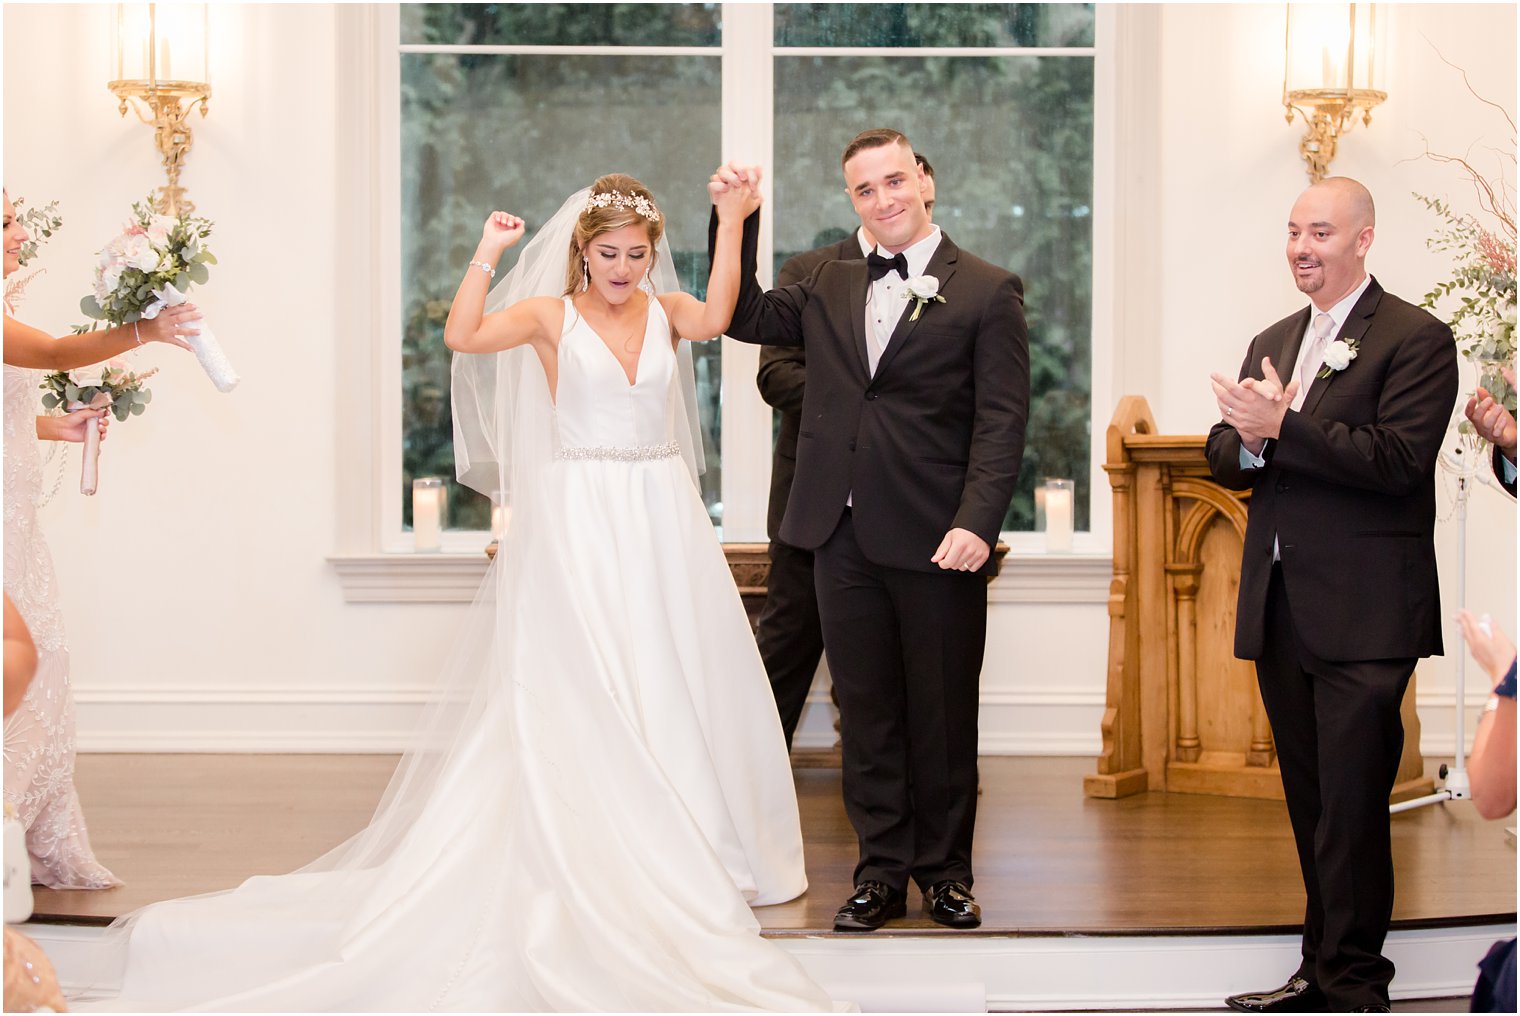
<point>137,408</point>
<point>50,401</point>
<point>198,273</point>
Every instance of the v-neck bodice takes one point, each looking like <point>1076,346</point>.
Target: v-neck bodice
<point>596,406</point>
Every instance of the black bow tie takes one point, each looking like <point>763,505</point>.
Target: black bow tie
<point>880,266</point>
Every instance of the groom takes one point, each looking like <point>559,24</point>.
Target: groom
<point>908,452</point>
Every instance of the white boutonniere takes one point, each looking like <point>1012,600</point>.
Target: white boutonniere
<point>921,289</point>
<point>1338,356</point>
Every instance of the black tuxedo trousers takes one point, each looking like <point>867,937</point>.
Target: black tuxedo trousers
<point>905,652</point>
<point>1339,738</point>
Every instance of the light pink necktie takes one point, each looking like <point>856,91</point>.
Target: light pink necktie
<point>1314,357</point>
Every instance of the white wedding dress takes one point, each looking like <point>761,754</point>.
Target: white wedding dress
<point>601,810</point>
<point>39,735</point>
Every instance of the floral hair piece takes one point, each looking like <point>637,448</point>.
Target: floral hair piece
<point>617,199</point>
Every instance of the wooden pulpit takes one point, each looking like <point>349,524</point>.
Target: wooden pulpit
<point>1181,714</point>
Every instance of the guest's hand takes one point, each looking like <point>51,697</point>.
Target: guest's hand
<point>1254,408</point>
<point>71,426</point>
<point>500,234</point>
<point>1492,421</point>
<point>171,324</point>
<point>1488,644</point>
<point>961,550</point>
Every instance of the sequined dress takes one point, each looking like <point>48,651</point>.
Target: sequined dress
<point>39,735</point>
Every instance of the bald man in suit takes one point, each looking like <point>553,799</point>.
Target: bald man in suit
<point>1338,589</point>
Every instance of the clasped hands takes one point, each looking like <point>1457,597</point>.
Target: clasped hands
<point>735,191</point>
<point>1254,407</point>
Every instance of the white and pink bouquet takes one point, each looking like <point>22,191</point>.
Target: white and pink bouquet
<point>150,266</point>
<point>102,386</point>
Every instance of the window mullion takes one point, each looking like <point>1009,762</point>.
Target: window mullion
<point>748,98</point>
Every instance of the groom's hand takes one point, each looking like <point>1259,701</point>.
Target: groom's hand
<point>734,176</point>
<point>735,192</point>
<point>961,550</point>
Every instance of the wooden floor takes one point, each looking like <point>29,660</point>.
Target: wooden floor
<point>1048,860</point>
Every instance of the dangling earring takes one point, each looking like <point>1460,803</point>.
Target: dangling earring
<point>645,284</point>
<point>585,275</point>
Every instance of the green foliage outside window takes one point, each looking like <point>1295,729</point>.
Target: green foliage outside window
<point>1010,137</point>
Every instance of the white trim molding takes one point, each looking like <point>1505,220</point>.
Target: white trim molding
<point>455,578</point>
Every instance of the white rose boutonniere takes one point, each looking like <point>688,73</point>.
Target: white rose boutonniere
<point>1338,356</point>
<point>921,289</point>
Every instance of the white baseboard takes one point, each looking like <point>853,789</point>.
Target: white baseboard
<point>270,719</point>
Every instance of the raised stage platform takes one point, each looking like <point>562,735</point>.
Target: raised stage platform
<point>1158,901</point>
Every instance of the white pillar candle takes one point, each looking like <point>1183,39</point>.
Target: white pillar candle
<point>1060,506</point>
<point>427,513</point>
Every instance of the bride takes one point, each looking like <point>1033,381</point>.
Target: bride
<point>602,789</point>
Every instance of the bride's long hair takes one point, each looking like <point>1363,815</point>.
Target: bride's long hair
<point>599,219</point>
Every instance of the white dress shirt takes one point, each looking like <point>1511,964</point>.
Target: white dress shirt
<point>886,299</point>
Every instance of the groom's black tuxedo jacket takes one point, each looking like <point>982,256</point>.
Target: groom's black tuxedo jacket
<point>782,379</point>
<point>929,443</point>
<point>1349,488</point>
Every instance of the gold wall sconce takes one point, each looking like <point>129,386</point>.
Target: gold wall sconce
<point>162,70</point>
<point>1331,56</point>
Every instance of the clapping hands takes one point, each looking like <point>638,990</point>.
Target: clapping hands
<point>1255,408</point>
<point>735,191</point>
<point>1492,421</point>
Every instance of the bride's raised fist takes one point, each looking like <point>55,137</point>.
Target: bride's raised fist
<point>502,231</point>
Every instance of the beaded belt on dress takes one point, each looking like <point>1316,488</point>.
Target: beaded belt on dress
<point>626,453</point>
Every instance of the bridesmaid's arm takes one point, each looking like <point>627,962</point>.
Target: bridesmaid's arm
<point>34,348</point>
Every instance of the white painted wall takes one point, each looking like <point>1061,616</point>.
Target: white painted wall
<point>1230,177</point>
<point>232,631</point>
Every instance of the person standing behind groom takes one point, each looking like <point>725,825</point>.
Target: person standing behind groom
<point>789,632</point>
<point>1338,592</point>
<point>908,454</point>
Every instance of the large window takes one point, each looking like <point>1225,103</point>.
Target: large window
<point>513,106</point>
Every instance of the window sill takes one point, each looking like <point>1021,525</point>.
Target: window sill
<point>1028,576</point>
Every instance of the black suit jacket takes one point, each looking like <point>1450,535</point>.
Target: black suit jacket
<point>934,439</point>
<point>783,378</point>
<point>1348,489</point>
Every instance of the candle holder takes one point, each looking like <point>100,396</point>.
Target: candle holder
<point>430,509</point>
<point>1060,515</point>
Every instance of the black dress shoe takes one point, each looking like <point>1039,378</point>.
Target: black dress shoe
<point>874,904</point>
<point>1298,995</point>
<point>951,904</point>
